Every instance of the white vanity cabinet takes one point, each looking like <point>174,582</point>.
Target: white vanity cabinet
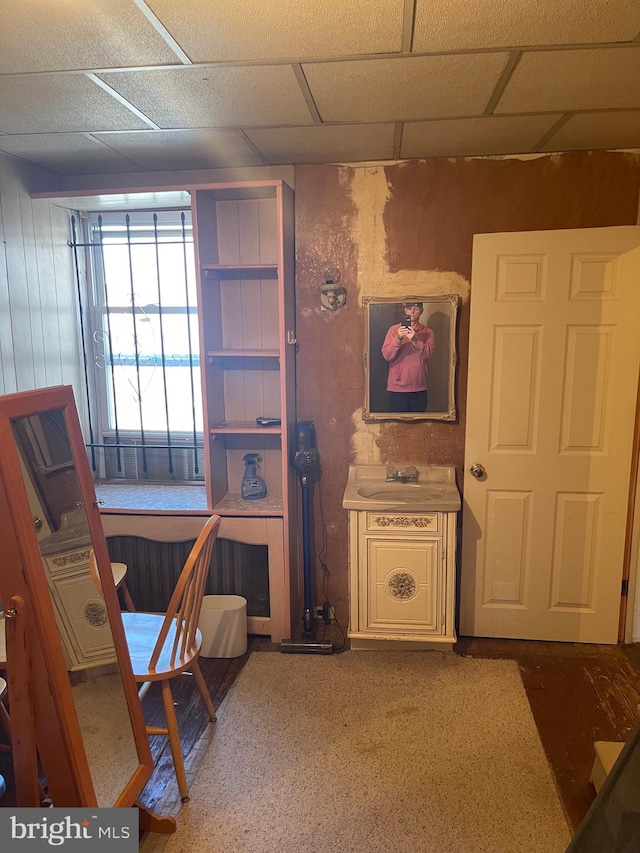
<point>402,576</point>
<point>81,613</point>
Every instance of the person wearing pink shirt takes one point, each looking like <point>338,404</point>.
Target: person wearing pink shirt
<point>406,347</point>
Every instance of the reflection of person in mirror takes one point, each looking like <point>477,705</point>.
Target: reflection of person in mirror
<point>407,346</point>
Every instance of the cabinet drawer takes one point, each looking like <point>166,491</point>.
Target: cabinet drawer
<point>396,522</point>
<point>68,561</point>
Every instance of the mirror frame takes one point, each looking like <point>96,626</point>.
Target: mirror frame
<point>57,729</point>
<point>451,302</point>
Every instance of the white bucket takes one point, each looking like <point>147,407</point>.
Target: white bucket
<point>223,624</point>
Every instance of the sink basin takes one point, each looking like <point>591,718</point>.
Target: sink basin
<point>435,491</point>
<point>65,538</point>
<point>410,492</point>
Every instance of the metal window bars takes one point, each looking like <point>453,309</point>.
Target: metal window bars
<point>97,343</point>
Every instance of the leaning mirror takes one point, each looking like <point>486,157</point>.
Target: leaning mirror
<point>410,358</point>
<point>51,521</point>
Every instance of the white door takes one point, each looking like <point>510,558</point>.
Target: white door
<point>553,373</point>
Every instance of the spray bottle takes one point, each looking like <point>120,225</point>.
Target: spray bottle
<point>252,487</point>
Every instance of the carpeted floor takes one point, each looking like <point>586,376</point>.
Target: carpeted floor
<point>366,752</point>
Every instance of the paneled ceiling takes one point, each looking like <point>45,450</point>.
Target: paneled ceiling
<point>108,86</point>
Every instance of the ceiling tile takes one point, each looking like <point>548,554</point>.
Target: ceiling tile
<point>60,103</point>
<point>78,34</point>
<point>471,137</point>
<point>67,153</point>
<point>458,24</point>
<point>574,80</point>
<point>595,130</point>
<point>407,88</point>
<point>215,97</point>
<point>281,29</point>
<point>324,143</point>
<point>164,150</point>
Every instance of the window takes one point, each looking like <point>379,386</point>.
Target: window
<point>143,366</point>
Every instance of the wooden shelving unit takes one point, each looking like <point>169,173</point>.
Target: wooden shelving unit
<point>245,265</point>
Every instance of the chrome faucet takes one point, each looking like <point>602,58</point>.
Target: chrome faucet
<point>410,475</point>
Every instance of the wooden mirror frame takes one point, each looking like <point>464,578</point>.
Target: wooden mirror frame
<point>383,312</point>
<point>50,721</point>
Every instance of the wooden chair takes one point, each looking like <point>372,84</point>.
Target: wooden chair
<point>164,646</point>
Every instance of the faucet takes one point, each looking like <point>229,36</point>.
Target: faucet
<point>410,475</point>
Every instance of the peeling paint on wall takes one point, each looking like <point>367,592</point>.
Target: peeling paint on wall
<point>370,192</point>
<point>365,441</point>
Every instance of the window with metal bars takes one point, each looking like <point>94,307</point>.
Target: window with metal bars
<point>137,291</point>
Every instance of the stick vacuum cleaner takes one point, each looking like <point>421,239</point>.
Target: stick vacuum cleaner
<point>304,460</point>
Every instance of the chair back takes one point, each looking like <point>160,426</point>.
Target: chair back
<point>186,601</point>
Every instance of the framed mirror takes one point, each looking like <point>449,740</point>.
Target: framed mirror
<point>85,715</point>
<point>410,358</point>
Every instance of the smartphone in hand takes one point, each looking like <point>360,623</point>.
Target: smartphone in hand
<point>406,322</point>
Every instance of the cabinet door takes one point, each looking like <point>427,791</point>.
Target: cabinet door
<point>401,585</point>
<point>87,630</point>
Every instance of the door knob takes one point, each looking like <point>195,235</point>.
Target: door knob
<point>478,471</point>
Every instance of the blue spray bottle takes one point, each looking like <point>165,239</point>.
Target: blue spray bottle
<point>252,487</point>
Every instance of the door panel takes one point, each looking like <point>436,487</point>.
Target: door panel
<point>553,365</point>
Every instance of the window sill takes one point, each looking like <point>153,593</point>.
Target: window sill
<point>151,497</point>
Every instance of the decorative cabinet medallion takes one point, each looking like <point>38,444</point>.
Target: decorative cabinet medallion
<point>401,585</point>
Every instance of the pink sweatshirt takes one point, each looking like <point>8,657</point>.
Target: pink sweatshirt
<point>408,365</point>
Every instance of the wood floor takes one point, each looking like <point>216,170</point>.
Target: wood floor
<point>578,694</point>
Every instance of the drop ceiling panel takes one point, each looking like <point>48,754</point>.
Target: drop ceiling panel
<point>78,34</point>
<point>407,88</point>
<point>574,80</point>
<point>69,153</point>
<point>60,103</point>
<point>474,136</point>
<point>459,24</point>
<point>281,29</point>
<point>324,143</point>
<point>158,150</point>
<point>215,97</point>
<point>595,130</point>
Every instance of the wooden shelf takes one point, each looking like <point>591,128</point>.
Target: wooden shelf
<point>243,428</point>
<point>233,504</point>
<point>243,353</point>
<point>240,271</point>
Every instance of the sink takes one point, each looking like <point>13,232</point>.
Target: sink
<point>394,492</point>
<point>435,491</point>
<point>73,532</point>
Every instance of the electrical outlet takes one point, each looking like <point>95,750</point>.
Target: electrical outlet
<point>320,614</point>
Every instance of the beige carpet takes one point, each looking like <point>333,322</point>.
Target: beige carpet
<point>400,752</point>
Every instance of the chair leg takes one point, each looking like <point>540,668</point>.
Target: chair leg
<point>5,720</point>
<point>174,740</point>
<point>204,692</point>
<point>5,723</point>
<point>128,601</point>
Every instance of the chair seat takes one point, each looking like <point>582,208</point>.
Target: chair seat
<point>141,631</point>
